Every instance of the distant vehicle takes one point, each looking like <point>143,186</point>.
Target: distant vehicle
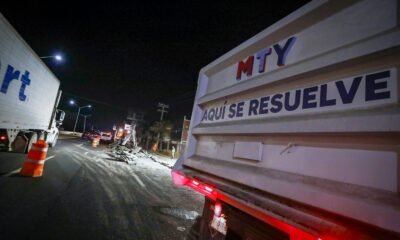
<point>294,134</point>
<point>87,134</point>
<point>106,137</point>
<point>3,140</point>
<point>91,134</point>
<point>120,134</point>
<point>29,94</point>
<point>95,134</point>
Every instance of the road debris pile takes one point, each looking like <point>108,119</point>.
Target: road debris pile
<point>125,154</point>
<point>129,155</point>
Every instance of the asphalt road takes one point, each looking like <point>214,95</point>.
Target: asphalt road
<point>86,194</point>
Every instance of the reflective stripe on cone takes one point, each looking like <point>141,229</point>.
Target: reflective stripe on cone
<point>35,161</point>
<point>39,149</point>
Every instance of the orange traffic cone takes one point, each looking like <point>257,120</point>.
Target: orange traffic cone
<point>155,147</point>
<point>95,142</point>
<point>33,165</point>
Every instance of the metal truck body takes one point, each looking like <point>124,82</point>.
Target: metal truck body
<point>29,91</point>
<point>298,127</point>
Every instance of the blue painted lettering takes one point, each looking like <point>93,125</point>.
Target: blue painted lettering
<point>296,103</point>
<point>309,96</point>
<point>324,102</point>
<point>371,86</point>
<point>264,105</point>
<point>253,107</point>
<point>8,77</point>
<point>205,115</point>
<point>283,52</point>
<point>239,112</point>
<point>211,114</point>
<point>348,97</point>
<point>232,111</point>
<point>276,103</point>
<point>25,81</point>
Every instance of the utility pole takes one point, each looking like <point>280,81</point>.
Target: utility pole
<point>162,110</point>
<point>72,102</point>
<point>84,122</point>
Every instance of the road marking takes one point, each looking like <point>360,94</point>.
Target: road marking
<point>19,169</point>
<point>138,180</point>
<point>84,148</point>
<point>48,158</point>
<point>11,173</point>
<point>79,156</point>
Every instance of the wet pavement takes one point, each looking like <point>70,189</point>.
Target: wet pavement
<point>89,193</point>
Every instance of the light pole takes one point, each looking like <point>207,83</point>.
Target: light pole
<point>72,102</point>
<point>84,122</point>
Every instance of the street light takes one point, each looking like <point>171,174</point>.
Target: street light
<point>84,122</point>
<point>72,102</point>
<point>57,57</point>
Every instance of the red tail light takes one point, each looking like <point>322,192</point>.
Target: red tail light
<point>3,137</point>
<point>195,182</point>
<point>208,189</point>
<point>217,209</point>
<point>178,178</point>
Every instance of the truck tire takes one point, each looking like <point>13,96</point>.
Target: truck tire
<point>54,142</point>
<point>33,137</point>
<point>205,221</point>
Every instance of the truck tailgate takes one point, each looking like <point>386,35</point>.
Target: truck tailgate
<point>308,110</point>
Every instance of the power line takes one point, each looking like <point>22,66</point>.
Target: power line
<point>95,101</point>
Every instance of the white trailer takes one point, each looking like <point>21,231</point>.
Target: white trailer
<point>29,93</point>
<point>295,133</point>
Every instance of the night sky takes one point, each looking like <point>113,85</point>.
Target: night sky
<point>135,54</point>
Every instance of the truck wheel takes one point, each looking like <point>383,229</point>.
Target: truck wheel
<point>203,226</point>
<point>32,139</point>
<point>53,144</point>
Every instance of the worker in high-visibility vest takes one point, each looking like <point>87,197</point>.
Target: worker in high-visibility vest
<point>173,152</point>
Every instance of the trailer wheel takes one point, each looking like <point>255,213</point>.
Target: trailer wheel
<point>32,139</point>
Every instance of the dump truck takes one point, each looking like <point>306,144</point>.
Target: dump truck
<point>295,133</point>
<point>29,94</point>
